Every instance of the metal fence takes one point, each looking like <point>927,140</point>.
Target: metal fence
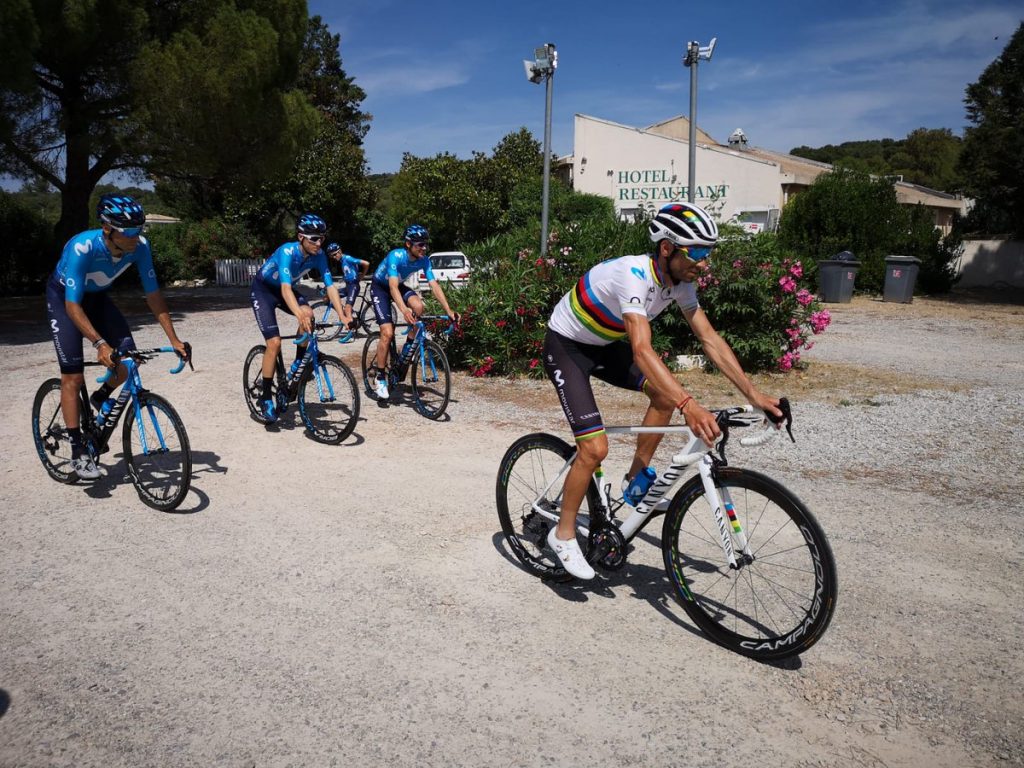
<point>236,271</point>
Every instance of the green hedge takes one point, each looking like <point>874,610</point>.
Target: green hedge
<point>188,251</point>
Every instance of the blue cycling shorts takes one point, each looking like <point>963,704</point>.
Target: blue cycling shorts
<point>266,300</point>
<point>382,300</point>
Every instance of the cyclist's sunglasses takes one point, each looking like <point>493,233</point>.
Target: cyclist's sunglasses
<point>421,244</point>
<point>314,238</point>
<point>694,253</point>
<point>129,231</point>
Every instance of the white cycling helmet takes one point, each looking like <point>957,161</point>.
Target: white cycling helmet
<point>684,224</point>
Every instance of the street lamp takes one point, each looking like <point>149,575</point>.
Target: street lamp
<point>694,53</point>
<point>545,60</point>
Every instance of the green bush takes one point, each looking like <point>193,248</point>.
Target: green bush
<point>28,252</point>
<point>188,251</point>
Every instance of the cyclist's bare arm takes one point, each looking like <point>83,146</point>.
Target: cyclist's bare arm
<point>438,291</point>
<point>396,297</point>
<point>721,354</point>
<point>698,418</point>
<point>305,322</point>
<point>158,306</point>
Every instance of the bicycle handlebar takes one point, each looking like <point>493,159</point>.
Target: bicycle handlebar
<point>142,355</point>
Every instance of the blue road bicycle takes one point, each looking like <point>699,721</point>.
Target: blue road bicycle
<point>424,359</point>
<point>322,385</point>
<point>155,445</point>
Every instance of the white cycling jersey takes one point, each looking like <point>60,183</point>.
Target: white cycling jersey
<point>593,311</point>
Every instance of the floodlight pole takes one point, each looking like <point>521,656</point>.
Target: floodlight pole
<point>694,53</point>
<point>547,158</point>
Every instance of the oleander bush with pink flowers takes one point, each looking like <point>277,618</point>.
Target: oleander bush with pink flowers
<point>758,296</point>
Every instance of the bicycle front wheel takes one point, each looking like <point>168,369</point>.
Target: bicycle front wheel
<point>252,382</point>
<point>529,498</point>
<point>50,433</point>
<point>157,452</point>
<point>431,380</point>
<point>369,362</point>
<point>329,400</point>
<point>779,601</point>
<point>323,312</point>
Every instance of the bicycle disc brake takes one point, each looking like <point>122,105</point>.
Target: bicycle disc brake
<point>608,548</point>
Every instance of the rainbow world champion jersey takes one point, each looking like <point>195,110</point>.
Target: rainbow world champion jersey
<point>593,311</point>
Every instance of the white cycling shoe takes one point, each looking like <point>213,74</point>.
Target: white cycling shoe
<point>86,468</point>
<point>381,388</point>
<point>570,556</point>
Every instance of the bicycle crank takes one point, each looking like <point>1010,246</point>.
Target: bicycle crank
<point>608,548</point>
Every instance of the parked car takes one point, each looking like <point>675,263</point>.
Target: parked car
<point>449,267</point>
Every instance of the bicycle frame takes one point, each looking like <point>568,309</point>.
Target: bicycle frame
<point>658,496</point>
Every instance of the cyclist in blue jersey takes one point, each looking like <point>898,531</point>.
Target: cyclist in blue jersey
<point>352,269</point>
<point>602,328</point>
<point>272,289</point>
<point>77,306</point>
<point>389,286</point>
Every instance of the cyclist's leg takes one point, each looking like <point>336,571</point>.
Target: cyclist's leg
<point>569,366</point>
<point>67,340</point>
<point>382,312</point>
<point>304,311</point>
<point>108,320</point>
<point>620,370</point>
<point>351,291</point>
<point>265,303</point>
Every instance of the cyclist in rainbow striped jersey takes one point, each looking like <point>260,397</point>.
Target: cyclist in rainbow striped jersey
<point>602,328</point>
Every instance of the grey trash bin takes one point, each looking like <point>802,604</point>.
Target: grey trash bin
<point>836,277</point>
<point>900,276</point>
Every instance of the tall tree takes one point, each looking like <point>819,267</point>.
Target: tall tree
<point>992,160</point>
<point>199,90</point>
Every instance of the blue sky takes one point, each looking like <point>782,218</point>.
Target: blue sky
<point>447,76</point>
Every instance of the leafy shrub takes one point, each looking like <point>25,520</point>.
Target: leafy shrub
<point>188,251</point>
<point>28,252</point>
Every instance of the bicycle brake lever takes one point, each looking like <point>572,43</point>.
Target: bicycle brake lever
<point>787,416</point>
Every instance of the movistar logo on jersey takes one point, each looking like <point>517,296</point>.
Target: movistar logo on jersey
<point>639,273</point>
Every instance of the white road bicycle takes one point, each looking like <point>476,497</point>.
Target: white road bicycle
<point>748,561</point>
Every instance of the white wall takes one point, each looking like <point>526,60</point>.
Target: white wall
<point>636,169</point>
<point>992,264</point>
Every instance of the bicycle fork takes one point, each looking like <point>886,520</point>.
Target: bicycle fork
<point>729,527</point>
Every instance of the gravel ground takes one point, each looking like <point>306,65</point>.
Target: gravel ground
<point>315,605</point>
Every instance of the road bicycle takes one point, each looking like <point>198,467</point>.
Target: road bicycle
<point>324,387</point>
<point>154,441</point>
<point>747,560</point>
<point>430,373</point>
<point>362,314</point>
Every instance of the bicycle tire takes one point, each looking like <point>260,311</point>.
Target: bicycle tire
<point>368,320</point>
<point>329,400</point>
<point>369,364</point>
<point>49,433</point>
<point>772,608</point>
<point>328,316</point>
<point>162,472</point>
<point>431,391</point>
<point>529,465</point>
<point>252,382</point>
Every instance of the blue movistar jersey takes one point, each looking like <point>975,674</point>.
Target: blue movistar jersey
<point>400,264</point>
<point>87,266</point>
<point>289,262</point>
<point>349,267</point>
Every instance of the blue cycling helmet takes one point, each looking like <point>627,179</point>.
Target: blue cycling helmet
<point>414,233</point>
<point>332,249</point>
<point>311,224</point>
<point>120,211</point>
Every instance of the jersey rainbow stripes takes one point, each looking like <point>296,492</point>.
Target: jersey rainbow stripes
<point>593,312</point>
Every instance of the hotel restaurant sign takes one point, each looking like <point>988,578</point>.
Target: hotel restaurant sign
<point>659,186</point>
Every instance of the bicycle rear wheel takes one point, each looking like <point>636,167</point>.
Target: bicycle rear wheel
<point>323,312</point>
<point>529,499</point>
<point>368,320</point>
<point>431,380</point>
<point>369,363</point>
<point>157,452</point>
<point>252,382</point>
<point>50,433</point>
<point>329,400</point>
<point>776,605</point>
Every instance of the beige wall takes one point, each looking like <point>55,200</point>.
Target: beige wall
<point>639,169</point>
<point>992,264</point>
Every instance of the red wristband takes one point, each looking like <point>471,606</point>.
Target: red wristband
<point>683,403</point>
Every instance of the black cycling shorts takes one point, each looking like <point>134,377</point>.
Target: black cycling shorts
<point>570,365</point>
<point>382,300</point>
<point>266,300</point>
<point>67,339</point>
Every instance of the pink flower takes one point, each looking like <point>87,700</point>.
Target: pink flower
<point>520,311</point>
<point>788,360</point>
<point>804,297</point>
<point>820,321</point>
<point>567,250</point>
<point>797,270</point>
<point>550,262</point>
<point>534,363</point>
<point>538,262</point>
<point>737,264</point>
<point>501,323</point>
<point>787,283</point>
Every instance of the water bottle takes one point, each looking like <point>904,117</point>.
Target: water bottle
<point>636,490</point>
<point>407,348</point>
<point>105,408</point>
<point>294,368</point>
